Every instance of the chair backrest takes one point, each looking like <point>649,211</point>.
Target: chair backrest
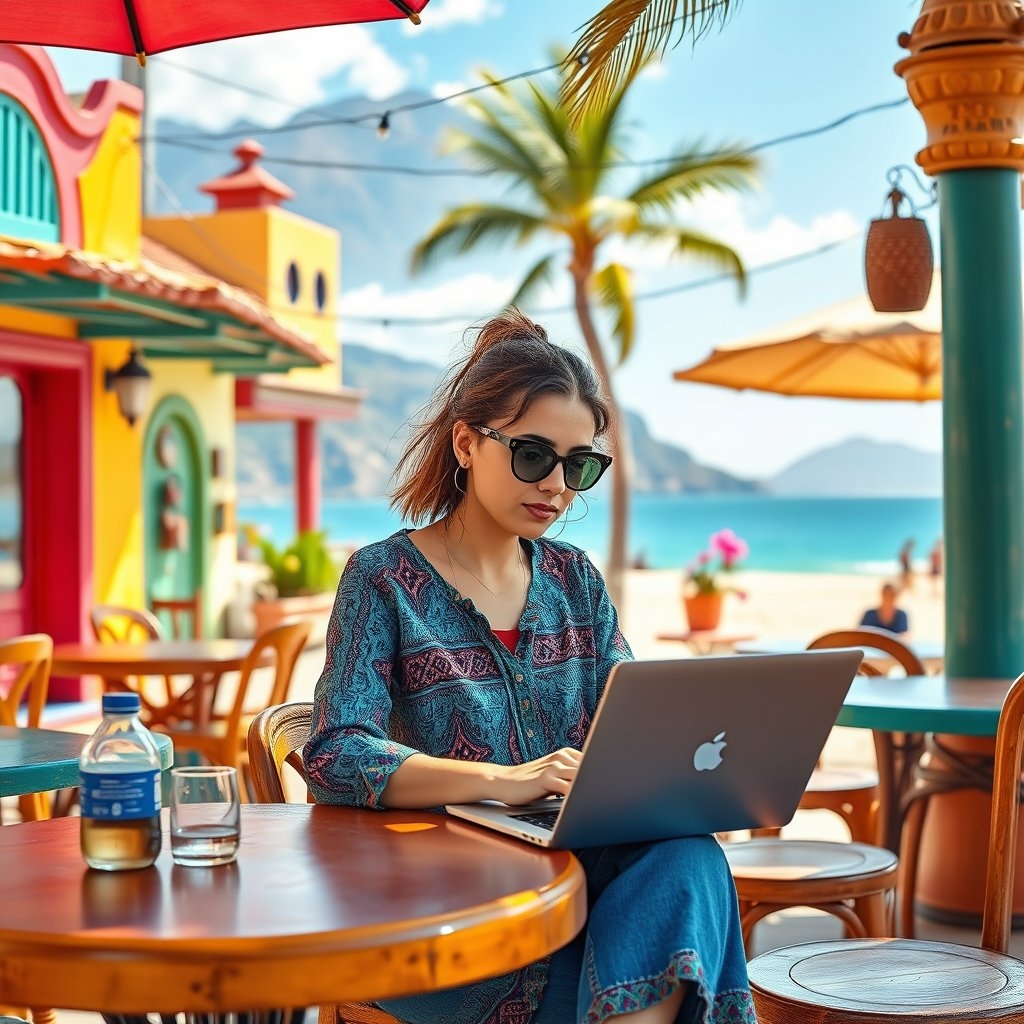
<point>876,639</point>
<point>181,610</point>
<point>113,623</point>
<point>1002,853</point>
<point>276,738</point>
<point>28,660</point>
<point>286,641</point>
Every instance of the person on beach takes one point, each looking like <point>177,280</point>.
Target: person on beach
<point>887,615</point>
<point>465,661</point>
<point>935,565</point>
<point>906,560</point>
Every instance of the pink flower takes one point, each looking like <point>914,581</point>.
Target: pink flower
<point>729,546</point>
<point>704,577</point>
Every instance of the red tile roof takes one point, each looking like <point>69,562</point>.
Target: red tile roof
<point>175,281</point>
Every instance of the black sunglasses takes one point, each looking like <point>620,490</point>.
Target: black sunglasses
<point>534,460</point>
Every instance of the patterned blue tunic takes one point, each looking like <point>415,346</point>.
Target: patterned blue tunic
<point>412,667</point>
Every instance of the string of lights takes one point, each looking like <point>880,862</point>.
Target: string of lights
<point>382,117</point>
<point>469,172</point>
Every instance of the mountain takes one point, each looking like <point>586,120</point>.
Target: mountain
<point>862,468</point>
<point>359,455</point>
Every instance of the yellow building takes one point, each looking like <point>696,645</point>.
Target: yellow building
<point>207,318</point>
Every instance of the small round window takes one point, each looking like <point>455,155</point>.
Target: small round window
<point>293,282</point>
<point>321,290</point>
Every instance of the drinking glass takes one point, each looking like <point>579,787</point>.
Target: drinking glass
<point>204,815</point>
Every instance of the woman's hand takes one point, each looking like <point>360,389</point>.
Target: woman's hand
<point>552,774</point>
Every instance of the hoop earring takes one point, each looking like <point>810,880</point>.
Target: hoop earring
<point>455,479</point>
<point>586,508</point>
<point>565,518</point>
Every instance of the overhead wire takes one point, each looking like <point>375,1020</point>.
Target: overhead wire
<point>470,172</point>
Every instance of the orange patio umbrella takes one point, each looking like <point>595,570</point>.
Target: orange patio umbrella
<point>844,351</point>
<point>140,27</point>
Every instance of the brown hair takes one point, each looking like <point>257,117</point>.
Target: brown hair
<point>510,365</point>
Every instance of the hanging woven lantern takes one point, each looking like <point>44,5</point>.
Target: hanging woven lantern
<point>898,261</point>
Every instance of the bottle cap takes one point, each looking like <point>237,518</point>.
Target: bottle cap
<point>121,703</point>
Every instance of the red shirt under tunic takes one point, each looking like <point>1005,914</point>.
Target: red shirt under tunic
<point>509,637</point>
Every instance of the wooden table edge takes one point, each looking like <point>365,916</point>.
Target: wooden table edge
<point>222,975</point>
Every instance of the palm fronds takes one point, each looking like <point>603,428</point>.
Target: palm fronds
<point>622,37</point>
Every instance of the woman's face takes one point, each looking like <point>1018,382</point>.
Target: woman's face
<point>529,509</point>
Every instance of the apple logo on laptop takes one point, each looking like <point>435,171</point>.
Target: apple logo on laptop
<point>708,755</point>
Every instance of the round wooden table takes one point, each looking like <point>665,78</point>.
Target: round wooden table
<point>39,760</point>
<point>117,664</point>
<point>324,904</point>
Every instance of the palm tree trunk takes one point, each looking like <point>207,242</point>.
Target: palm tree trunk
<point>622,468</point>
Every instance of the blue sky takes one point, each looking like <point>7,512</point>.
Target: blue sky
<point>776,69</point>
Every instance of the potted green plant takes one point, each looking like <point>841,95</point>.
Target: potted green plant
<point>300,583</point>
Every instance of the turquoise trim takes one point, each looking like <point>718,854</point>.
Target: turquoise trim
<point>28,189</point>
<point>983,421</point>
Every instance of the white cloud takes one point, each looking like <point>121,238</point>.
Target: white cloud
<point>287,71</point>
<point>474,295</point>
<point>441,90</point>
<point>724,216</point>
<point>443,14</point>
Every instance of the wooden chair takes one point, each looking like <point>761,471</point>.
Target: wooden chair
<point>182,610</point>
<point>855,795</point>
<point>275,741</point>
<point>28,660</point>
<point>913,981</point>
<point>861,797</point>
<point>854,882</point>
<point>223,741</point>
<point>119,624</point>
<point>25,663</point>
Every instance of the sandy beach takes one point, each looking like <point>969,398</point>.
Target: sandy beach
<point>778,605</point>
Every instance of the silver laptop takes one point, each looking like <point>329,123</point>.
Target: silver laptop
<point>688,747</point>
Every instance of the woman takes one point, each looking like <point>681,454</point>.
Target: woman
<point>465,660</point>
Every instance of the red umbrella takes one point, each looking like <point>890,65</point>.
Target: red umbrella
<point>141,27</point>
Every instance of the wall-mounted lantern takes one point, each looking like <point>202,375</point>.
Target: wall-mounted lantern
<point>130,383</point>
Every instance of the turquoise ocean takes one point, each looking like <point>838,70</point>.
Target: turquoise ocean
<point>847,535</point>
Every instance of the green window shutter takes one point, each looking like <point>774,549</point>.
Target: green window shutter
<point>28,191</point>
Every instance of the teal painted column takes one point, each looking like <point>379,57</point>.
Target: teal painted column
<point>983,421</point>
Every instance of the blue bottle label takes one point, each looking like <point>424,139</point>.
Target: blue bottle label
<point>120,796</point>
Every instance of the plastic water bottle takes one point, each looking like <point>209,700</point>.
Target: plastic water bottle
<point>120,789</point>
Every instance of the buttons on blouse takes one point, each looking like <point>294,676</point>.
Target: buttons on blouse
<point>526,705</point>
<point>518,677</point>
<point>529,732</point>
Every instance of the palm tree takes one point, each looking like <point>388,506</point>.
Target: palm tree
<point>560,170</point>
<point>623,37</point>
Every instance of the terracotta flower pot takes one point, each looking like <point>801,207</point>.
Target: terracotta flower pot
<point>703,611</point>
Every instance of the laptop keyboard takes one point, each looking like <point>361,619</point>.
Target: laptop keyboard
<point>543,819</point>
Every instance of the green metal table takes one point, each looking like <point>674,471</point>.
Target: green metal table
<point>40,760</point>
<point>910,716</point>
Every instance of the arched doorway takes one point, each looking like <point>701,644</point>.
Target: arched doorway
<point>175,507</point>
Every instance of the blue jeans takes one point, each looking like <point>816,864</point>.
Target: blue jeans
<point>660,915</point>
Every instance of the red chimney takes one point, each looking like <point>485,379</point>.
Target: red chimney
<point>247,186</point>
